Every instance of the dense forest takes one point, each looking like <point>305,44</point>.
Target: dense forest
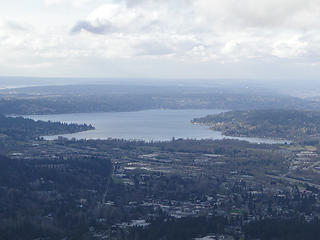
<point>190,228</point>
<point>285,229</point>
<point>23,128</point>
<point>180,229</point>
<point>285,124</point>
<point>38,200</point>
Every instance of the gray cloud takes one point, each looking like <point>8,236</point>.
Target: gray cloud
<point>13,25</point>
<point>100,28</point>
<point>133,3</point>
<point>153,48</point>
<point>182,34</point>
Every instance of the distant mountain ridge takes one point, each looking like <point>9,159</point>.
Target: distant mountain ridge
<point>115,98</point>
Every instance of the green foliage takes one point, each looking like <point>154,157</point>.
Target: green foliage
<point>285,124</point>
<point>275,229</point>
<point>179,229</point>
<point>38,201</point>
<point>23,128</point>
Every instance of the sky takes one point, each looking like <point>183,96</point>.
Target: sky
<point>247,39</point>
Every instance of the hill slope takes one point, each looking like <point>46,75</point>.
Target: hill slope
<point>286,124</point>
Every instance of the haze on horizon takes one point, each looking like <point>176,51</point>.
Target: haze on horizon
<point>248,39</point>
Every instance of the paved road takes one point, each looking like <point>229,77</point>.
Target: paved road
<point>292,180</point>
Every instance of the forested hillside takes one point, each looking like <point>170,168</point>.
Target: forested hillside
<point>22,128</point>
<point>108,98</point>
<point>287,124</point>
<point>37,199</point>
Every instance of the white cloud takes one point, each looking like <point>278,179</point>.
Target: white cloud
<point>75,3</point>
<point>204,29</point>
<point>289,47</point>
<point>260,14</point>
<point>193,31</point>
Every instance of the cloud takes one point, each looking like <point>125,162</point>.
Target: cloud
<point>153,49</point>
<point>202,30</point>
<point>233,13</point>
<point>93,28</point>
<point>13,25</point>
<point>181,31</point>
<point>74,3</point>
<point>136,19</point>
<point>16,26</point>
<point>208,15</point>
<point>289,47</point>
<point>293,14</point>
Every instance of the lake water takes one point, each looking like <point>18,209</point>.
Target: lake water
<point>157,125</point>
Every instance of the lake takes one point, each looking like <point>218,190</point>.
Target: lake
<point>157,125</point>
